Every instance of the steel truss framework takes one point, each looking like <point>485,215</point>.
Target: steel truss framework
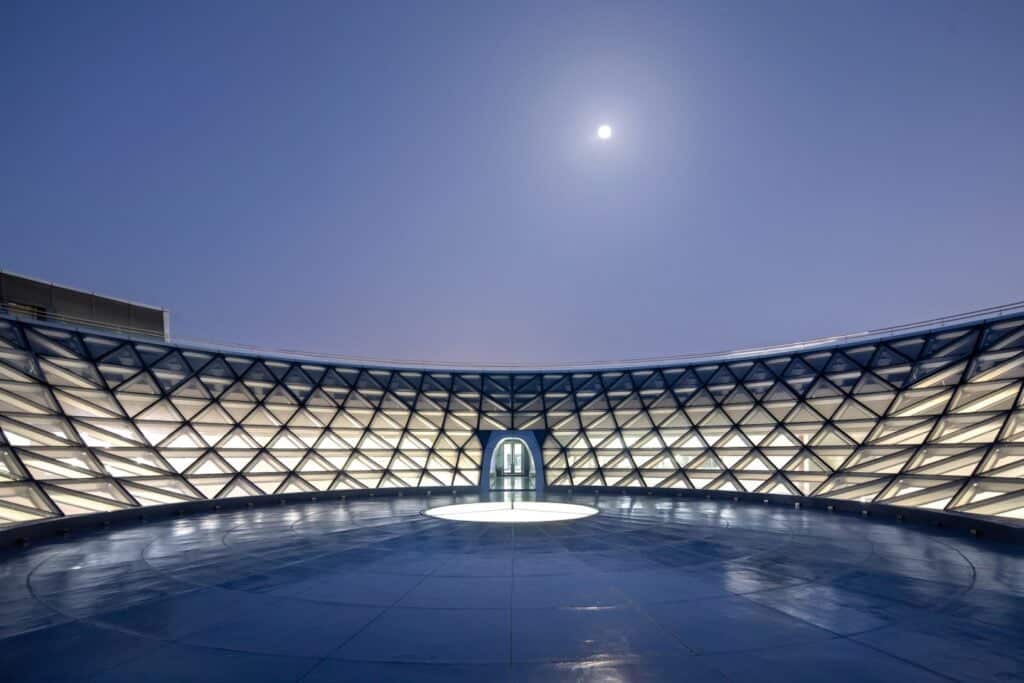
<point>93,423</point>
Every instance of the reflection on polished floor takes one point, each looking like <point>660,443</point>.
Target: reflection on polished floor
<point>511,483</point>
<point>651,589</point>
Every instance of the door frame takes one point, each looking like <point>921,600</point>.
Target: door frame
<point>491,441</point>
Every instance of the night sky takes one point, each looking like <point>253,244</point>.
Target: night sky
<point>424,180</point>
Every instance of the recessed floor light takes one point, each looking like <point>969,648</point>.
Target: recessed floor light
<point>518,512</point>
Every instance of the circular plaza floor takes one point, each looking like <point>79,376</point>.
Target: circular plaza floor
<point>650,589</point>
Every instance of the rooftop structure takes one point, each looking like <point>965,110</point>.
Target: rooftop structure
<point>93,421</point>
<point>29,298</point>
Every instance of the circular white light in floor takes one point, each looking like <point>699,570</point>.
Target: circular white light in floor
<point>505,512</point>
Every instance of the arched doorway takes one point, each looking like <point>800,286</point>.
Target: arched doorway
<point>512,467</point>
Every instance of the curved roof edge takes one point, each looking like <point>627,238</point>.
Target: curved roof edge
<point>950,322</point>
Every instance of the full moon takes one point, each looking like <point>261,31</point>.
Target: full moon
<point>604,132</point>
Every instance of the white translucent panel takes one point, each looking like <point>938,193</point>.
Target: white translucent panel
<point>295,484</point>
<point>159,490</point>
<point>88,403</point>
<point>751,482</point>
<point>193,389</point>
<point>878,463</point>
<point>557,477</point>
<point>70,374</point>
<point>286,440</point>
<point>267,483</point>
<point>992,497</point>
<point>861,488</point>
<point>465,439</point>
<point>779,485</point>
<point>805,483</point>
<point>438,477</point>
<point>185,438</point>
<point>108,432</point>
<point>19,434</point>
<point>805,432</point>
<point>724,483</point>
<point>239,488</point>
<point>141,383</point>
<point>313,462</point>
<point>17,365</point>
<point>25,495</point>
<point>902,431</point>
<point>264,463</point>
<point>130,466</point>
<point>190,407</point>
<point>238,410</point>
<point>988,396</point>
<point>253,437</point>
<point>10,469</point>
<point>858,431</point>
<point>25,398</point>
<point>210,463</point>
<point>998,365</point>
<point>755,434</point>
<point>380,460</point>
<point>957,429</point>
<point>730,457</point>
<point>282,413</point>
<point>72,465</point>
<point>1001,335</point>
<point>943,460</point>
<point>373,442</point>
<point>755,462</point>
<point>337,458</point>
<point>11,513</point>
<point>1014,430</point>
<point>261,417</point>
<point>661,462</point>
<point>1005,461</point>
<point>805,462</point>
<point>630,439</point>
<point>831,436</point>
<point>851,410</point>
<point>734,439</point>
<point>74,497</point>
<point>406,477</point>
<point>920,402</point>
<point>182,459</point>
<point>238,460</point>
<point>155,432</point>
<point>209,486</point>
<point>928,493</point>
<point>833,457</point>
<point>779,438</point>
<point>211,433</point>
<point>290,458</point>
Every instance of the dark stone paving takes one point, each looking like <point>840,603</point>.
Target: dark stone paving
<point>652,589</point>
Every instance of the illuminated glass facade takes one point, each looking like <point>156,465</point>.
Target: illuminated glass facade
<point>92,422</point>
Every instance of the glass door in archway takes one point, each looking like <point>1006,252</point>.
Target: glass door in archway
<point>512,467</point>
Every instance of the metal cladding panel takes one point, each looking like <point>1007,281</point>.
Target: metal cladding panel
<point>47,301</point>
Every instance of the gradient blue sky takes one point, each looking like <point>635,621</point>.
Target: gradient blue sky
<point>422,179</point>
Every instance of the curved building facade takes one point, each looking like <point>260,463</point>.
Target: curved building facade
<point>94,422</point>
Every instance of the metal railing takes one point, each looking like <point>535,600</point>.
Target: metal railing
<point>945,322</point>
